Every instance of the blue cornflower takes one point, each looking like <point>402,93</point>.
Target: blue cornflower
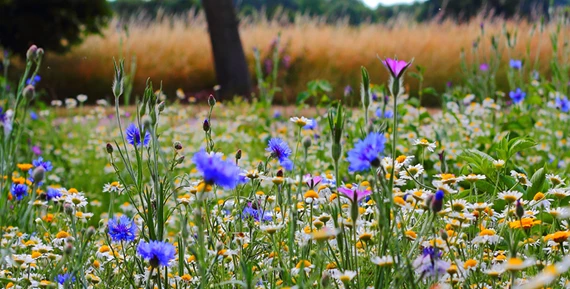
<point>134,136</point>
<point>563,104</point>
<point>365,153</point>
<point>517,96</point>
<point>65,278</point>
<point>515,64</point>
<point>40,162</point>
<point>276,114</point>
<point>156,252</point>
<point>257,214</point>
<point>53,193</point>
<point>280,150</point>
<point>33,115</point>
<point>217,171</point>
<point>374,96</point>
<point>437,201</point>
<point>384,114</point>
<point>311,125</point>
<point>122,229</point>
<point>19,191</point>
<point>33,81</point>
<point>429,263</point>
<point>2,115</point>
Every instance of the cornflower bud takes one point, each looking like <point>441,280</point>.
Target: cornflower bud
<point>109,148</point>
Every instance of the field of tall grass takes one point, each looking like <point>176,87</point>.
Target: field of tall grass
<point>178,49</point>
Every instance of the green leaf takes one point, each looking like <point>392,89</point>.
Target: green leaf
<point>538,179</point>
<point>429,90</point>
<point>519,144</point>
<point>302,97</point>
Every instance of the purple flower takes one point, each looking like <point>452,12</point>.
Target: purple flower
<point>429,263</point>
<point>276,114</point>
<point>40,162</point>
<point>366,152</point>
<point>158,253</point>
<point>256,213</point>
<point>33,81</point>
<point>384,114</point>
<point>517,96</point>
<point>268,66</point>
<point>66,278</point>
<point>122,229</point>
<point>19,191</point>
<point>280,150</point>
<point>217,171</point>
<point>449,84</point>
<point>36,150</point>
<point>484,67</point>
<point>563,104</point>
<point>355,193</point>
<point>134,136</point>
<point>347,90</point>
<point>33,115</point>
<point>286,61</point>
<point>312,181</point>
<point>515,64</point>
<point>53,193</point>
<point>396,67</point>
<point>311,125</point>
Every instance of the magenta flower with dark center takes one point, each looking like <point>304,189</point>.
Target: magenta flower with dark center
<point>355,193</point>
<point>396,67</point>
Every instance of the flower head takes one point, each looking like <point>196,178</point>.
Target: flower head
<point>517,96</point>
<point>256,213</point>
<point>158,253</point>
<point>122,229</point>
<point>366,152</point>
<point>396,67</point>
<point>217,171</point>
<point>19,191</point>
<point>65,278</point>
<point>429,263</point>
<point>134,136</point>
<point>53,193</point>
<point>515,64</point>
<point>280,150</point>
<point>563,104</point>
<point>40,162</point>
<point>355,192</point>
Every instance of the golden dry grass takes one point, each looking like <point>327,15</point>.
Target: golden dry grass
<point>177,51</point>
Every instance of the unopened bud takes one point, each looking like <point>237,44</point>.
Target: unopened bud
<point>307,142</point>
<point>280,173</point>
<point>109,148</point>
<point>238,155</point>
<point>90,231</point>
<point>180,160</point>
<point>206,125</point>
<point>325,279</point>
<point>177,145</point>
<point>38,174</point>
<point>161,106</point>
<point>68,250</point>
<point>31,53</point>
<point>444,235</point>
<point>211,101</point>
<point>146,122</point>
<point>520,209</point>
<point>39,54</point>
<point>68,209</point>
<point>437,201</point>
<point>38,220</point>
<point>29,92</point>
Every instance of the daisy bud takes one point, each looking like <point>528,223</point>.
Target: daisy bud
<point>29,92</point>
<point>519,209</point>
<point>68,209</point>
<point>206,125</point>
<point>177,145</point>
<point>109,148</point>
<point>90,232</point>
<point>211,101</point>
<point>38,221</point>
<point>38,174</point>
<point>31,53</point>
<point>307,142</point>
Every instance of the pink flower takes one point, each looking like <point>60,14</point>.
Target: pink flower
<point>355,193</point>
<point>396,67</point>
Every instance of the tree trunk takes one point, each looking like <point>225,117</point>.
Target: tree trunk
<point>231,67</point>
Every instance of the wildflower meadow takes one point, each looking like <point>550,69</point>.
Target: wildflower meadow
<point>365,190</point>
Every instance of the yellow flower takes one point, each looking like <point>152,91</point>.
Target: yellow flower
<point>25,167</point>
<point>525,223</point>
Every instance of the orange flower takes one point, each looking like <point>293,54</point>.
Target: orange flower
<point>525,223</point>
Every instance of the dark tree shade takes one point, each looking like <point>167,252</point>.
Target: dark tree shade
<point>231,67</point>
<point>55,25</point>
